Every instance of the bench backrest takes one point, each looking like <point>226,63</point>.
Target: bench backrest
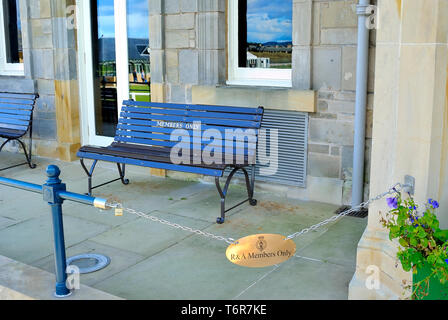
<point>16,111</point>
<point>225,128</point>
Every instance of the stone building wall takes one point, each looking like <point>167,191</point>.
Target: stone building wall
<point>188,41</point>
<point>189,37</point>
<point>49,50</point>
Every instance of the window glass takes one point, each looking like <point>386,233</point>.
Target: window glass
<point>13,31</point>
<point>265,34</point>
<point>138,50</point>
<point>104,64</point>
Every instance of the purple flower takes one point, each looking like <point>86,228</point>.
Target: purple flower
<point>392,203</point>
<point>446,261</point>
<point>433,203</point>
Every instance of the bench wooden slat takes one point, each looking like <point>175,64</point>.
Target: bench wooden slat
<point>189,113</point>
<point>11,133</point>
<point>8,106</point>
<point>17,95</point>
<point>195,107</point>
<point>125,127</point>
<point>180,119</point>
<point>26,113</point>
<point>17,101</point>
<point>152,164</point>
<point>14,116</point>
<point>14,121</point>
<point>148,126</point>
<point>238,140</point>
<point>149,154</point>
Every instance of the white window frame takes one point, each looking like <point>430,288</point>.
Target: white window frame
<point>250,76</point>
<point>8,69</point>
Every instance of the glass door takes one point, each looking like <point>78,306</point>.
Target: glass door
<point>116,63</point>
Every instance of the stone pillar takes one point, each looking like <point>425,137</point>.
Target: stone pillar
<point>410,128</point>
<point>65,80</point>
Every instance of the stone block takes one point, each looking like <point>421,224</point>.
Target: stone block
<point>337,106</point>
<point>176,93</point>
<point>189,5</point>
<point>211,33</point>
<point>157,69</point>
<point>339,14</point>
<point>180,21</point>
<point>349,54</point>
<point>43,64</point>
<point>172,66</point>
<point>324,60</point>
<point>301,68</point>
<point>177,39</point>
<point>189,66</point>
<point>212,67</point>
<point>318,148</point>
<point>331,131</point>
<point>172,6</point>
<point>212,5</point>
<point>321,165</point>
<point>155,7</point>
<point>347,162</point>
<point>302,23</point>
<point>339,36</point>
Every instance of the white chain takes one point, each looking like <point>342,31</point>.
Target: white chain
<point>395,189</point>
<point>171,224</point>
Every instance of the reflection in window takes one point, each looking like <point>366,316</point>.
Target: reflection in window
<point>104,64</point>
<point>138,50</point>
<point>13,31</point>
<point>265,34</point>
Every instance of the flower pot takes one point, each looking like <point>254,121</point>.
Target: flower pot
<point>436,290</point>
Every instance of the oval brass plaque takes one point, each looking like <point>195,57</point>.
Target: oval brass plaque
<point>261,250</point>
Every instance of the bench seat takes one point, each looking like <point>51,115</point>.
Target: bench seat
<point>147,133</point>
<point>16,119</point>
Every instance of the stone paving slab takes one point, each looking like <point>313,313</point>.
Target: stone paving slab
<point>32,239</point>
<point>19,281</point>
<point>153,261</point>
<point>120,260</point>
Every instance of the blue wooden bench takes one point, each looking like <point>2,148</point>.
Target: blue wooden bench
<point>145,136</point>
<point>16,120</point>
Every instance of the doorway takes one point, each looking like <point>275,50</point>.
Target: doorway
<point>114,63</point>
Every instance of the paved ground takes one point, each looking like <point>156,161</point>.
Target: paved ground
<point>153,261</point>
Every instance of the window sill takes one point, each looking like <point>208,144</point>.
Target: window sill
<point>277,98</point>
<point>261,83</point>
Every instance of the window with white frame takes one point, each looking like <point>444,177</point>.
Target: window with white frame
<point>260,42</point>
<point>11,49</point>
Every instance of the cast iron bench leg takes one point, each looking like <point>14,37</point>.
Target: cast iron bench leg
<point>27,155</point>
<point>89,172</point>
<point>250,183</point>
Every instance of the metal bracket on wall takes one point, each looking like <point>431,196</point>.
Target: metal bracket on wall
<point>409,185</point>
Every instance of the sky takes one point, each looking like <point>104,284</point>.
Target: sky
<point>137,11</point>
<point>269,20</point>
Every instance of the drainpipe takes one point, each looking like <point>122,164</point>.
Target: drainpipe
<point>361,103</point>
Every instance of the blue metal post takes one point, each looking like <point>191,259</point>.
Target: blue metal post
<point>51,192</point>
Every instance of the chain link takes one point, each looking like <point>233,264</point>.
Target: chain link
<point>397,188</point>
<point>171,224</point>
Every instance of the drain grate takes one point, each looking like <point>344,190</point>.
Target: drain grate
<point>88,263</point>
<point>362,213</point>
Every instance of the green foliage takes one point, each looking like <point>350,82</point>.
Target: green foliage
<point>422,242</point>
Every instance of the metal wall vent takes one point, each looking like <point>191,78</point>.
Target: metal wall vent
<point>292,147</point>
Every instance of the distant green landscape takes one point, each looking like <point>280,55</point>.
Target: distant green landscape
<point>141,89</point>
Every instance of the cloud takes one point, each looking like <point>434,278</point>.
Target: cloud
<point>269,20</point>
